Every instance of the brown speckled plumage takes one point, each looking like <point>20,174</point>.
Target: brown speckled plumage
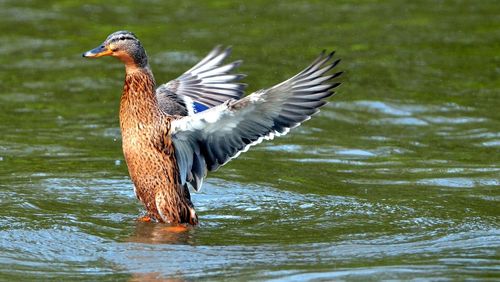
<point>172,135</point>
<point>149,152</point>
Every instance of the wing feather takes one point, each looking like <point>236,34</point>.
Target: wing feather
<point>208,82</point>
<point>209,139</point>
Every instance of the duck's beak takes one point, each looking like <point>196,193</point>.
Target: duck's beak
<point>98,52</point>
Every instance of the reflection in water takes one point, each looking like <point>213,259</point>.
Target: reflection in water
<point>156,233</point>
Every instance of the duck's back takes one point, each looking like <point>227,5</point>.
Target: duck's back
<point>171,103</point>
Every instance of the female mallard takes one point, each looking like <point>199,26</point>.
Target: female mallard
<point>172,135</point>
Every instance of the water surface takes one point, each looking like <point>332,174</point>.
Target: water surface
<point>396,178</point>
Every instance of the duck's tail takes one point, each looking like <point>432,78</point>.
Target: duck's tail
<point>176,208</point>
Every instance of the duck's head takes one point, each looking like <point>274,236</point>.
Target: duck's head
<point>123,45</point>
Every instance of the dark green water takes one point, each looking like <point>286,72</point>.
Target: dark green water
<point>397,178</point>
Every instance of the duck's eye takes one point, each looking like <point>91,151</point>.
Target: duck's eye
<point>121,38</point>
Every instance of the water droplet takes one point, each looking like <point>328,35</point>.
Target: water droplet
<point>118,162</point>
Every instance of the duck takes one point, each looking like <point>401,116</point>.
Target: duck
<point>174,133</point>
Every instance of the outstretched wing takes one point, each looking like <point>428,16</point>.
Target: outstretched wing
<point>211,138</point>
<point>207,84</point>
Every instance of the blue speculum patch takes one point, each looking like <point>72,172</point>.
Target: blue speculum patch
<point>197,107</point>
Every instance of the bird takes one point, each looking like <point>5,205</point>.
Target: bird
<point>174,133</point>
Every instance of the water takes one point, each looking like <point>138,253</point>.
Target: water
<point>397,178</point>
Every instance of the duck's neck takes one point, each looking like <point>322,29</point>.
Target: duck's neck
<point>138,102</point>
